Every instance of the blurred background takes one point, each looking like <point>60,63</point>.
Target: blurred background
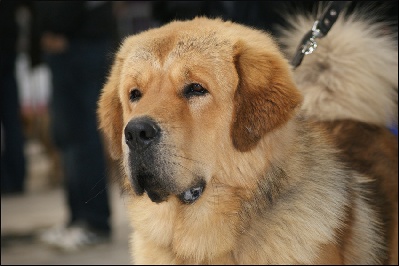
<point>43,44</point>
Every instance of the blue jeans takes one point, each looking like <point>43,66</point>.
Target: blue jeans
<point>78,75</point>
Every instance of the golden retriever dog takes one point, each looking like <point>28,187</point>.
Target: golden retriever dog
<point>350,86</point>
<point>219,165</point>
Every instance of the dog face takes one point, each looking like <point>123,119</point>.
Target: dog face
<point>185,97</point>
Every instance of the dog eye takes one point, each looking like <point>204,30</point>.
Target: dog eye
<point>194,89</point>
<point>135,95</point>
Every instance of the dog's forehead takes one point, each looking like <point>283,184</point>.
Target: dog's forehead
<point>183,40</point>
<point>181,52</point>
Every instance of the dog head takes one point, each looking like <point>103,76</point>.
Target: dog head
<point>181,96</point>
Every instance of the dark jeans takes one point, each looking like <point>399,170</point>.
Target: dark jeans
<point>78,75</point>
<point>12,156</point>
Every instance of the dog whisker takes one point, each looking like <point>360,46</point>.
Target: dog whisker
<point>98,193</point>
<point>171,148</point>
<point>180,165</point>
<point>194,160</point>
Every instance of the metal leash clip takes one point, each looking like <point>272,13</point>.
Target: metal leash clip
<point>310,44</point>
<point>320,28</point>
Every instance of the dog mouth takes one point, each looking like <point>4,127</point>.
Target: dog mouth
<point>148,183</point>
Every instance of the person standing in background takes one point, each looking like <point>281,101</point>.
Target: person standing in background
<point>78,39</point>
<point>13,161</point>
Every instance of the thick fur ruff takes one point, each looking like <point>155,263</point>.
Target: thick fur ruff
<point>224,115</point>
<point>350,87</point>
<point>353,73</point>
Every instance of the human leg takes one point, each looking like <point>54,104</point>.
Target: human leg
<point>13,161</point>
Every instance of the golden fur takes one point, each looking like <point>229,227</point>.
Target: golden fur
<point>274,189</point>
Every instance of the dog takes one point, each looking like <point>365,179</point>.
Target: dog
<point>220,165</point>
<point>350,87</point>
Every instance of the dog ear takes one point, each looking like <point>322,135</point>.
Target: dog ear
<point>109,112</point>
<point>266,96</point>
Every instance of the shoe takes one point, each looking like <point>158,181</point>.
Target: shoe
<point>74,237</point>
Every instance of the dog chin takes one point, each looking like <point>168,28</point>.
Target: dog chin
<point>145,183</point>
<point>157,196</point>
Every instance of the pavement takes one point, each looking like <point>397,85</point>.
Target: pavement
<point>24,216</point>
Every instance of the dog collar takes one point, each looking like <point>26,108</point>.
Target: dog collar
<point>320,28</point>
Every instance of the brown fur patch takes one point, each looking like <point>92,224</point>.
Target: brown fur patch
<point>330,255</point>
<point>110,113</point>
<point>265,97</point>
<point>373,151</point>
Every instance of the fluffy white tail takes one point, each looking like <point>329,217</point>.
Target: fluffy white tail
<point>353,74</point>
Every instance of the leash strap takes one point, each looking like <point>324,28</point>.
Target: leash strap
<point>320,28</point>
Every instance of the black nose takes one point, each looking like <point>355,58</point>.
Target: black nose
<point>141,132</point>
